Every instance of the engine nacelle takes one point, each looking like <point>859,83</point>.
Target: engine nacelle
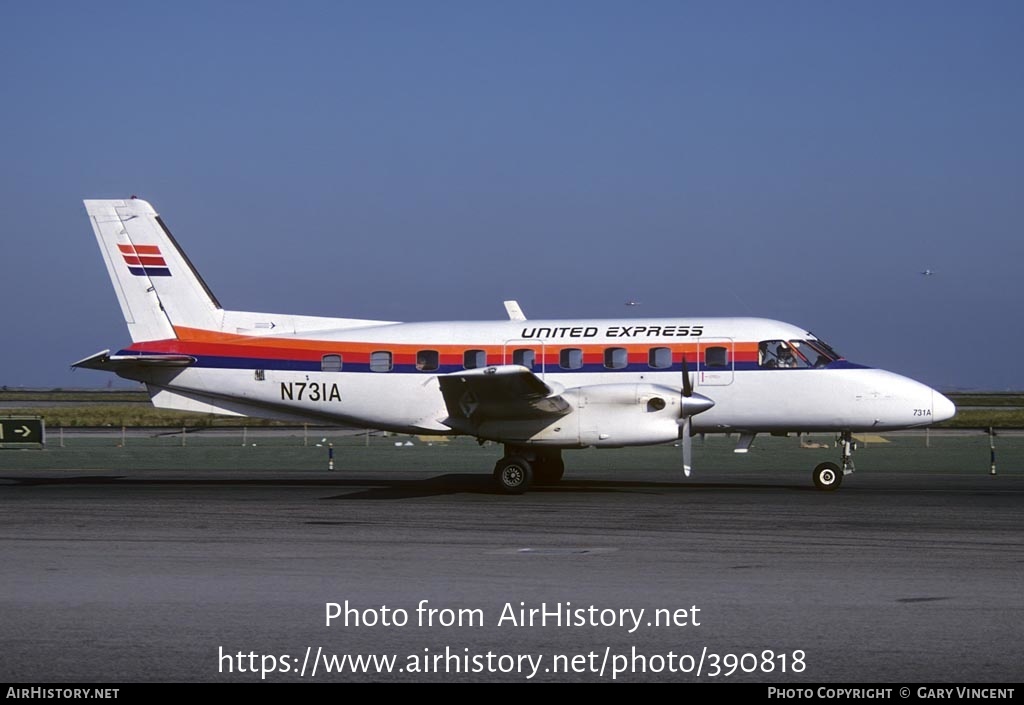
<point>626,414</point>
<point>603,415</point>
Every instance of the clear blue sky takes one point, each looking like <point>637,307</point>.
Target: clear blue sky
<point>426,160</point>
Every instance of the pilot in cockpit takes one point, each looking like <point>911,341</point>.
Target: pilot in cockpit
<point>785,356</point>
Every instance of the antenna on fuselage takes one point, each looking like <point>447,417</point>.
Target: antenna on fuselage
<point>515,312</point>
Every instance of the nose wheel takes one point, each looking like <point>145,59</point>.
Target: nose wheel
<point>829,476</point>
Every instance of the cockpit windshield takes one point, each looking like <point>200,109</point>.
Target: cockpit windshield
<point>825,348</point>
<point>795,354</point>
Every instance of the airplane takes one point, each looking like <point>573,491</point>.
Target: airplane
<point>536,386</point>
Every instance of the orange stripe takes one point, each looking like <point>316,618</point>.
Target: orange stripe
<point>139,249</point>
<point>590,350</point>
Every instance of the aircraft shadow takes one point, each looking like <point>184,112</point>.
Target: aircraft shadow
<point>385,489</point>
<point>482,484</point>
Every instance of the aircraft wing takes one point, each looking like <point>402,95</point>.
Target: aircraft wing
<point>501,393</point>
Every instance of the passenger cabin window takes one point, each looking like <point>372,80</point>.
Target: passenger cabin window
<point>260,375</point>
<point>525,357</point>
<point>330,363</point>
<point>794,354</point>
<point>659,358</point>
<point>427,360</point>
<point>380,361</point>
<point>472,359</point>
<point>570,358</point>
<point>615,358</point>
<point>716,356</point>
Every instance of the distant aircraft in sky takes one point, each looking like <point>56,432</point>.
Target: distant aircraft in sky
<point>632,303</point>
<point>928,272</point>
<point>536,386</point>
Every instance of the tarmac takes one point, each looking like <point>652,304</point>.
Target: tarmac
<point>229,574</point>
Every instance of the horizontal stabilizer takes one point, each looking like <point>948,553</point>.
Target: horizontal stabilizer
<point>114,363</point>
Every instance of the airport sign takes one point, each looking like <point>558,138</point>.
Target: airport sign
<point>20,430</point>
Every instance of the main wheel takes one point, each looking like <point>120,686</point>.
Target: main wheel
<point>827,476</point>
<point>513,475</point>
<point>548,469</point>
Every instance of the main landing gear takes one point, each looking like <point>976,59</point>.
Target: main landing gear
<point>828,476</point>
<point>523,467</point>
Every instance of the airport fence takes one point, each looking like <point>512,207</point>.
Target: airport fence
<point>313,448</point>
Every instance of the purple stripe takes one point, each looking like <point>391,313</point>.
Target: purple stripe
<point>150,271</point>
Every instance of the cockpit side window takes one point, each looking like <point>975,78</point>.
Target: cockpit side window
<point>794,354</point>
<point>768,355</point>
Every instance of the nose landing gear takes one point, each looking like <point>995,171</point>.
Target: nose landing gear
<point>829,476</point>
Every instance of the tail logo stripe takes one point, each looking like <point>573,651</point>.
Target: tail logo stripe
<point>144,260</point>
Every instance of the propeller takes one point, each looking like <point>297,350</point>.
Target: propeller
<point>689,405</point>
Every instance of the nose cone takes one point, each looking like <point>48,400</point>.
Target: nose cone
<point>942,407</point>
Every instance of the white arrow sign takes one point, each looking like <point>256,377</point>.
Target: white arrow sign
<point>23,431</point>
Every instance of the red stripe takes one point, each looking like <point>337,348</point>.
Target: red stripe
<point>139,249</point>
<point>359,353</point>
<point>145,261</point>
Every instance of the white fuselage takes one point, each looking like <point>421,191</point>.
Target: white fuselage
<point>388,378</point>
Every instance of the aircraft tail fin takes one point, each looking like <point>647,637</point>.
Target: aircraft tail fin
<point>156,284</point>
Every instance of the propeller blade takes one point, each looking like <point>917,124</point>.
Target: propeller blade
<point>687,382</point>
<point>687,446</point>
<point>689,405</point>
